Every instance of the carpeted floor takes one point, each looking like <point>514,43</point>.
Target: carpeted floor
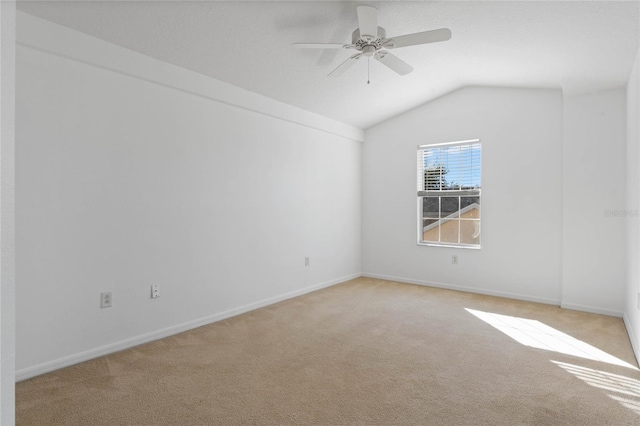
<point>366,352</point>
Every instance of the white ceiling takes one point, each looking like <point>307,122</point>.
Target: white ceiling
<point>575,45</point>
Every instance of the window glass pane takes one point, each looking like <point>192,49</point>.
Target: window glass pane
<point>429,223</point>
<point>430,230</point>
<point>470,207</point>
<point>434,170</point>
<point>449,231</point>
<point>435,177</point>
<point>431,207</point>
<point>464,164</point>
<point>470,231</point>
<point>449,206</point>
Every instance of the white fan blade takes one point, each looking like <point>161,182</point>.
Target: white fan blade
<point>393,62</point>
<point>345,65</point>
<point>323,46</point>
<point>424,37</point>
<point>368,21</point>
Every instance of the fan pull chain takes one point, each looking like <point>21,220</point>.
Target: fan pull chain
<point>368,66</point>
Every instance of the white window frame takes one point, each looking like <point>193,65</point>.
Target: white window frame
<point>422,192</point>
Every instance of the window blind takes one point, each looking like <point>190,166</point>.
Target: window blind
<point>450,168</point>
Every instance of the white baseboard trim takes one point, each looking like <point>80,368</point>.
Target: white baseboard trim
<point>635,345</point>
<point>465,289</point>
<point>29,372</point>
<point>591,309</point>
<point>517,296</point>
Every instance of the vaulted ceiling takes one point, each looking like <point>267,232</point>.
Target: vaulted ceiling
<point>575,45</point>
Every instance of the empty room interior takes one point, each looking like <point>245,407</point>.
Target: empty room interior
<point>320,212</point>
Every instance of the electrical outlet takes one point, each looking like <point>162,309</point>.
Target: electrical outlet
<point>155,291</point>
<point>454,259</point>
<point>105,300</point>
<point>306,261</point>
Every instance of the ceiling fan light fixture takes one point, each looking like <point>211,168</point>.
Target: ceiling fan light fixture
<point>369,50</point>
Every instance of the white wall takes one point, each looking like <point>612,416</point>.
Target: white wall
<point>594,241</point>
<point>7,213</point>
<point>132,172</point>
<point>552,168</point>
<point>632,295</point>
<point>521,134</point>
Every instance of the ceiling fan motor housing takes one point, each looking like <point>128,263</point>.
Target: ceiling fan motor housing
<point>368,46</point>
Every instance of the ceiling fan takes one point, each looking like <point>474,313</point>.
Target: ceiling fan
<point>369,40</point>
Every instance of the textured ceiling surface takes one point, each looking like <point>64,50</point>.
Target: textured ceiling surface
<point>576,45</point>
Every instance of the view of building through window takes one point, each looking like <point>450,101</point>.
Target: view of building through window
<point>449,185</point>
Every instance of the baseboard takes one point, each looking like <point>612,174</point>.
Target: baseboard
<point>49,366</point>
<point>476,290</point>
<point>635,345</point>
<point>517,296</point>
<point>591,309</point>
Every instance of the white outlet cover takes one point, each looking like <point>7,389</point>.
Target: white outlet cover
<point>105,299</point>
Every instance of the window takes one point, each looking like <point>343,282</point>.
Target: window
<point>449,194</point>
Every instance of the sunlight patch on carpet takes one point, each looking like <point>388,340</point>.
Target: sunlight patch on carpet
<point>624,390</point>
<point>535,334</point>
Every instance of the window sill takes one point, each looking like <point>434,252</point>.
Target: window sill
<point>450,246</point>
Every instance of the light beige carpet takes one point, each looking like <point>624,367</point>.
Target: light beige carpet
<point>366,352</point>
